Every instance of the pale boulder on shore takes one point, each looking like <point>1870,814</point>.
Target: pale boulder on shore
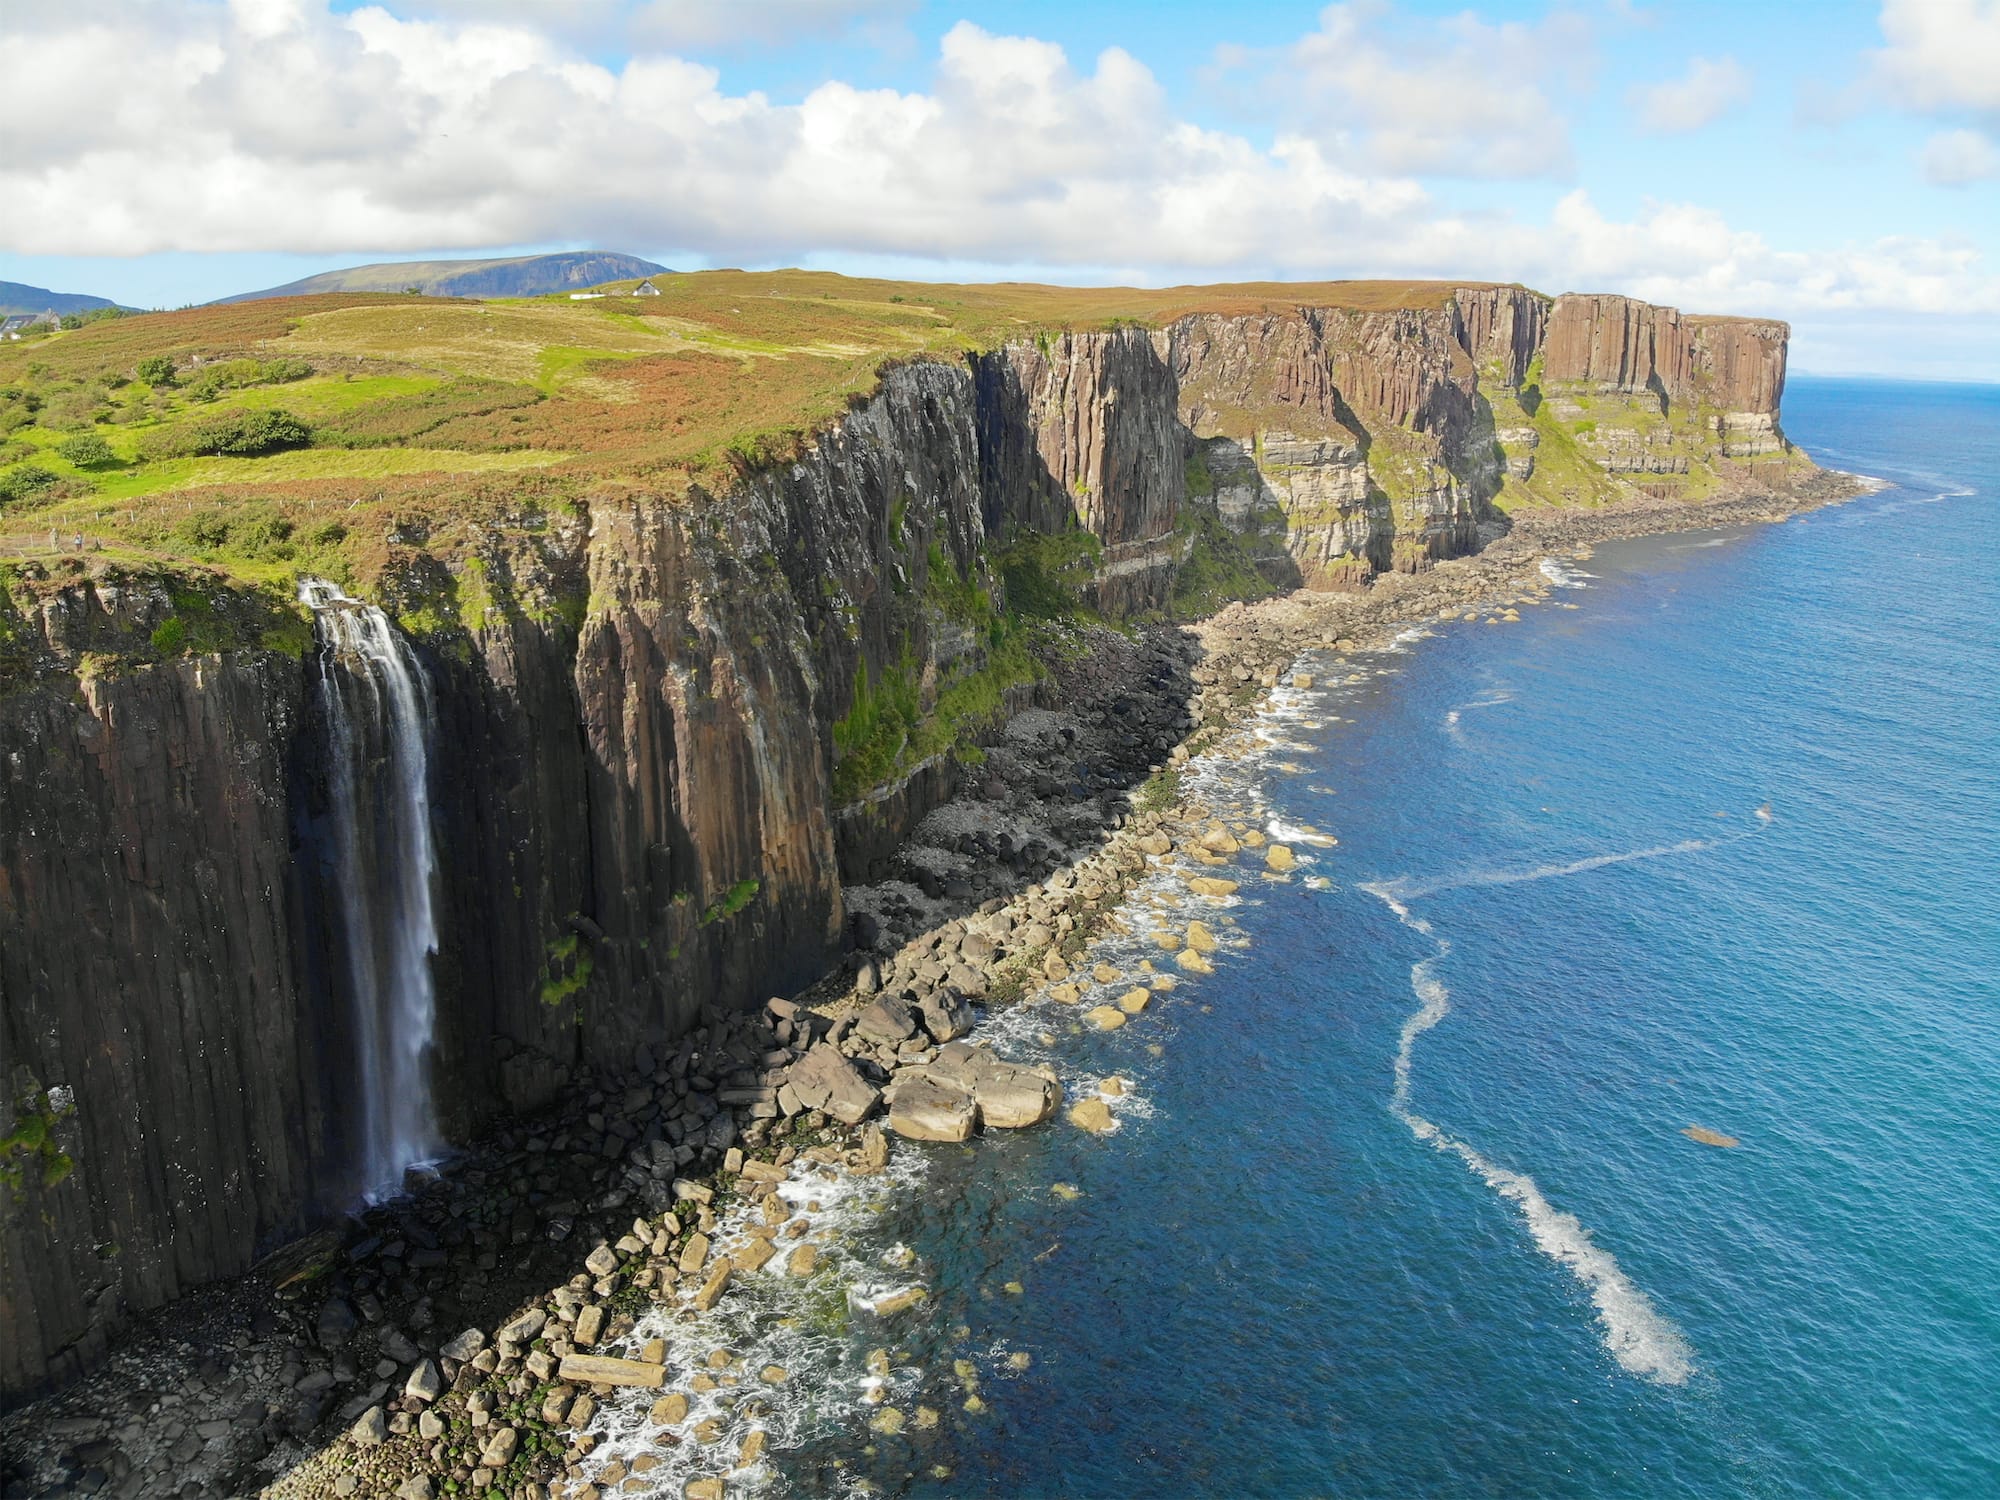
<point>923,1109</point>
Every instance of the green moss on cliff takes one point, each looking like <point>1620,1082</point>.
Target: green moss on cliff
<point>569,965</point>
<point>1045,574</point>
<point>30,1150</point>
<point>732,901</point>
<point>1218,568</point>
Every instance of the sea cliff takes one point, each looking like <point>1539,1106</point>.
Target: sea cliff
<point>673,723</point>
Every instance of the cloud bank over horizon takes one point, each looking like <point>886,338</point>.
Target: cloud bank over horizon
<point>289,125</point>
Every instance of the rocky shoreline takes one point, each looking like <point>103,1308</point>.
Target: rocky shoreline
<point>466,1336</point>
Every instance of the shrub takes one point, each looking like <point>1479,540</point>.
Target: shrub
<point>87,451</point>
<point>156,370</point>
<point>18,484</point>
<point>245,434</point>
<point>236,374</point>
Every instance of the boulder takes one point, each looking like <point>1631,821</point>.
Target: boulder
<point>524,1328</point>
<point>372,1430</point>
<point>946,1016</point>
<point>1012,1097</point>
<point>956,1064</point>
<point>712,1289</point>
<point>1193,961</point>
<point>499,1449</point>
<point>825,1080</point>
<point>1006,1095</point>
<point>602,1261</point>
<point>1279,857</point>
<point>1211,885</point>
<point>603,1369</point>
<point>1105,1017</point>
<point>424,1384</point>
<point>589,1325</point>
<point>895,1302</point>
<point>887,1022</point>
<point>464,1346</point>
<point>1093,1115</point>
<point>336,1323</point>
<point>923,1108</point>
<point>1135,1000</point>
<point>670,1410</point>
<point>1201,937</point>
<point>874,1147</point>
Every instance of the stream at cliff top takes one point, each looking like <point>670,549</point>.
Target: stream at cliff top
<point>376,705</point>
<point>1401,1200</point>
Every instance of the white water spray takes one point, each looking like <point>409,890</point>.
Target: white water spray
<point>378,712</point>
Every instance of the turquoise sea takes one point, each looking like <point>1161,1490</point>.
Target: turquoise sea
<point>1402,1203</point>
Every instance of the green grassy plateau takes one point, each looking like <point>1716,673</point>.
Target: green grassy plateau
<point>264,439</point>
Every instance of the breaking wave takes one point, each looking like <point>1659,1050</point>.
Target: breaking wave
<point>1564,577</point>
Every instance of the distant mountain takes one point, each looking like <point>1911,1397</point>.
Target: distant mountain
<point>17,297</point>
<point>517,276</point>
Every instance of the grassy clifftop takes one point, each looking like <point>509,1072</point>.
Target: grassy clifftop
<point>264,439</point>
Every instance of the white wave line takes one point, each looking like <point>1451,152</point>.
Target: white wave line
<point>1638,1336</point>
<point>1411,890</point>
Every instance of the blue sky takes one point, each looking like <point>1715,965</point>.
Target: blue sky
<point>1834,164</point>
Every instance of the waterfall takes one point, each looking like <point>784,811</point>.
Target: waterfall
<point>377,704</point>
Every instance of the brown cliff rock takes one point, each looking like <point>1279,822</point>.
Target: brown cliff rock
<point>1618,344</point>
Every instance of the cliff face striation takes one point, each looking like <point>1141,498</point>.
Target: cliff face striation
<point>667,724</point>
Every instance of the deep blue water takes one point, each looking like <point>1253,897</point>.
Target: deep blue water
<point>1277,1281</point>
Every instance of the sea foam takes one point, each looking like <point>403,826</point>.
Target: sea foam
<point>1643,1341</point>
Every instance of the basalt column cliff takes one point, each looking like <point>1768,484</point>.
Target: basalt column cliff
<point>663,726</point>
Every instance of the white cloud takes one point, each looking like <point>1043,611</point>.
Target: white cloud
<point>1692,258</point>
<point>278,125</point>
<point>701,24</point>
<point>1953,158</point>
<point>1709,89</point>
<point>693,25</point>
<point>1942,54</point>
<point>1455,97</point>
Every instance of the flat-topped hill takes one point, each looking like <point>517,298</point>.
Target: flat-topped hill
<point>507,276</point>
